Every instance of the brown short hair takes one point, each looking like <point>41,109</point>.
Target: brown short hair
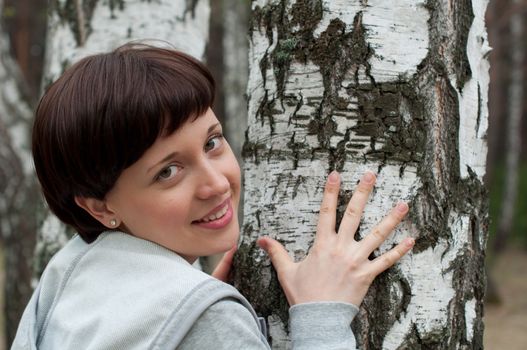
<point>102,114</point>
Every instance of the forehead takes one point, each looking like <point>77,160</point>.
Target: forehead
<point>192,133</point>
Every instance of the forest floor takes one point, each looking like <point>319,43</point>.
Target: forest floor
<point>505,323</point>
<point>2,306</point>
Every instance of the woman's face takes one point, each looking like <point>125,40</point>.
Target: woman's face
<point>183,193</point>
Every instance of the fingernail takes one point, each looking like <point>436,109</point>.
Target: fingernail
<point>402,207</point>
<point>333,177</point>
<point>368,177</point>
<point>262,243</point>
<point>410,242</point>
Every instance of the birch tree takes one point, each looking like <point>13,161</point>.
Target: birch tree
<point>79,28</point>
<point>513,126</point>
<point>396,87</point>
<point>235,47</point>
<point>17,187</point>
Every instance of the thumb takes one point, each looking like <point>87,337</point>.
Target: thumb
<point>276,251</point>
<point>223,268</point>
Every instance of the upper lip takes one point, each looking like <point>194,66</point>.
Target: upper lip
<point>215,210</point>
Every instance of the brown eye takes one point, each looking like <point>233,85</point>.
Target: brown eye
<point>213,143</point>
<point>168,173</point>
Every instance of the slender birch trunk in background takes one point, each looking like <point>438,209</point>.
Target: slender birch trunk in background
<point>79,28</point>
<point>513,129</point>
<point>235,48</point>
<point>234,22</point>
<point>18,193</point>
<point>396,87</point>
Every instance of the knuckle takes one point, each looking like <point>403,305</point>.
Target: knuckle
<point>399,253</point>
<point>363,189</point>
<point>396,254</point>
<point>325,209</point>
<point>396,217</point>
<point>391,222</point>
<point>335,254</point>
<point>332,189</point>
<point>354,263</point>
<point>377,234</point>
<point>388,260</point>
<point>352,212</point>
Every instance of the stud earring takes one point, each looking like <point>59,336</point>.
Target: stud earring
<point>113,222</point>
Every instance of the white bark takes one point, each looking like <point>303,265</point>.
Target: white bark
<point>473,100</point>
<point>104,25</point>
<point>427,148</point>
<point>88,31</point>
<point>18,195</point>
<point>15,112</point>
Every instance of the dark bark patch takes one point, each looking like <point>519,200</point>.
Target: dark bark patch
<point>266,299</point>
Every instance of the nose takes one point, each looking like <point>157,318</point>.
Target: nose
<point>211,181</point>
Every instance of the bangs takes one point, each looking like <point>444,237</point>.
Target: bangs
<point>101,116</point>
<point>163,90</point>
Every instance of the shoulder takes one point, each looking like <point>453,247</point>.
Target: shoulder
<point>122,261</point>
<point>213,306</point>
<point>116,281</point>
<point>226,324</point>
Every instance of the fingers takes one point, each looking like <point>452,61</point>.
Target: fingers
<point>380,232</point>
<point>352,215</point>
<point>223,268</point>
<point>389,258</point>
<point>277,253</point>
<point>328,207</point>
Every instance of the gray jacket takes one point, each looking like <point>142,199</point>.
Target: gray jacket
<point>122,292</point>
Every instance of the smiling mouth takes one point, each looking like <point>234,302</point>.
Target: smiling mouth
<point>215,216</point>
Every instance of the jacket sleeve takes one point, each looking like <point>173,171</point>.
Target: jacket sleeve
<point>224,325</point>
<point>229,325</point>
<point>322,325</point>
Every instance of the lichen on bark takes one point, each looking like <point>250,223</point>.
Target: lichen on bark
<point>408,121</point>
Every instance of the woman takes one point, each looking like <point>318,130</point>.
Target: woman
<point>129,153</point>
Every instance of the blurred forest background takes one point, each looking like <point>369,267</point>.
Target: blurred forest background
<point>506,311</point>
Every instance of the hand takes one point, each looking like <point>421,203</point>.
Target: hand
<point>223,268</point>
<point>337,267</point>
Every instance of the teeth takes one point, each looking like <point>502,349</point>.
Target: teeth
<point>217,215</point>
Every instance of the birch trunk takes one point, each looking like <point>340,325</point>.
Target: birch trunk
<point>17,187</point>
<point>513,130</point>
<point>396,87</point>
<point>78,28</point>
<point>235,48</point>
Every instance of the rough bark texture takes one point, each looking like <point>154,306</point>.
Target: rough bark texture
<point>78,28</point>
<point>17,188</point>
<point>399,88</point>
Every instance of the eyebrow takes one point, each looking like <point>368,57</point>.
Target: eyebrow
<point>174,154</point>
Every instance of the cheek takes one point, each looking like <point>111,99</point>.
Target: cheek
<point>235,174</point>
<point>160,209</point>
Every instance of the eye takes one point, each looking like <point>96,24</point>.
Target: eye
<point>167,173</point>
<point>214,142</point>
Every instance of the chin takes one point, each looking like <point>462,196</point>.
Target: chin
<point>229,242</point>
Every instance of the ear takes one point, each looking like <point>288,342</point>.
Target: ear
<point>98,210</point>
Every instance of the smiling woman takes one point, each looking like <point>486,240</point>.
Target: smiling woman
<point>184,201</point>
<point>129,152</point>
<point>110,109</point>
